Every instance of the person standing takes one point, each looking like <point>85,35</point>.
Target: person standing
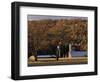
<point>60,48</point>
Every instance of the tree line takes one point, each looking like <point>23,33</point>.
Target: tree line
<point>48,32</point>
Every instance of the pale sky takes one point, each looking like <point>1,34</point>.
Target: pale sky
<point>41,17</point>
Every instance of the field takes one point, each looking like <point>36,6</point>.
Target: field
<point>61,61</point>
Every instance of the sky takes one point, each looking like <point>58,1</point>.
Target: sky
<point>41,17</point>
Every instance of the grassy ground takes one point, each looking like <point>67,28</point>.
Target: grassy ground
<point>61,61</point>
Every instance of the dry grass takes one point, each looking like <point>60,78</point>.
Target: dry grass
<point>61,61</point>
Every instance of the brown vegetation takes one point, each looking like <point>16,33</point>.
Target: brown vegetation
<point>43,33</point>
